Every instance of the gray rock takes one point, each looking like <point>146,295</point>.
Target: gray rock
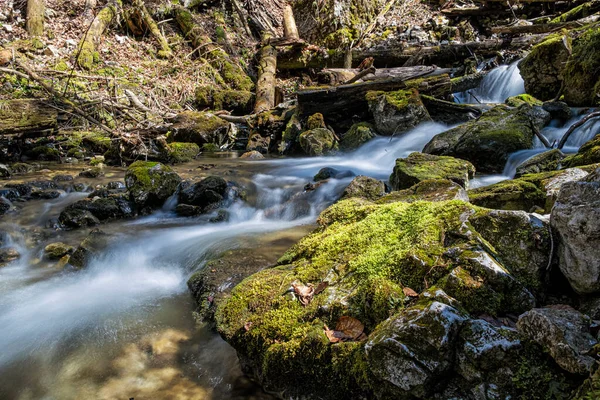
<point>89,248</point>
<point>365,187</point>
<point>564,333</point>
<point>576,219</point>
<point>397,112</point>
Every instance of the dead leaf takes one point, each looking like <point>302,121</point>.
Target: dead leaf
<point>305,293</point>
<point>333,336</point>
<point>346,329</point>
<point>409,292</point>
<point>320,287</point>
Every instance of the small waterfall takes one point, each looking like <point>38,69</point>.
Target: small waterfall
<point>498,85</point>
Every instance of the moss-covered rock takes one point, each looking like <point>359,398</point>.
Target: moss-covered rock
<point>543,67</point>
<point>418,167</point>
<point>358,134</point>
<point>44,153</point>
<point>150,183</point>
<point>428,190</point>
<point>364,187</point>
<point>543,162</point>
<point>582,72</point>
<point>488,141</point>
<point>236,101</point>
<point>509,195</point>
<point>588,154</point>
<point>318,142</point>
<point>516,101</point>
<point>57,250</point>
<point>396,112</point>
<point>315,121</point>
<point>198,127</point>
<point>368,253</point>
<point>179,152</point>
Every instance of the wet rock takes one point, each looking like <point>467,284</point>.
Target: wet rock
<point>564,333</point>
<point>62,178</point>
<point>207,194</point>
<point>259,143</point>
<point>8,255</point>
<point>72,218</point>
<point>328,173</point>
<point>45,184</point>
<point>4,171</point>
<point>23,189</point>
<point>221,216</point>
<point>89,248</point>
<point>318,142</point>
<point>588,154</point>
<point>418,167</point>
<point>9,194</point>
<point>509,195</point>
<point>47,194</point>
<point>150,184</point>
<point>116,185</point>
<point>516,101</point>
<point>364,187</point>
<point>357,135</point>
<point>93,172</point>
<point>396,112</point>
<point>410,351</point>
<point>428,190</point>
<point>198,127</point>
<point>576,219</point>
<point>488,141</point>
<point>581,74</point>
<point>252,155</point>
<point>114,206</point>
<point>22,168</point>
<point>57,250</point>
<point>186,210</point>
<point>546,161</point>
<point>543,67</point>
<point>558,110</point>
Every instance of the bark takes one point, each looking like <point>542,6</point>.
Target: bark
<point>544,28</point>
<point>87,45</point>
<point>360,75</point>
<point>290,31</point>
<point>265,85</point>
<point>165,49</point>
<point>451,113</point>
<point>27,118</point>
<point>35,17</point>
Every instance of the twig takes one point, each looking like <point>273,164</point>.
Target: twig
<point>12,71</point>
<point>537,133</point>
<point>576,125</point>
<point>360,75</point>
<point>51,71</point>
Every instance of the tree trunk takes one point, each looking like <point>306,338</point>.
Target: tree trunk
<point>27,118</point>
<point>35,17</point>
<point>87,44</point>
<point>265,86</point>
<point>290,31</point>
<point>165,49</point>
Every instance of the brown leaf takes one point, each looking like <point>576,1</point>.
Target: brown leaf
<point>321,286</point>
<point>333,336</point>
<point>350,327</point>
<point>409,292</point>
<point>305,293</point>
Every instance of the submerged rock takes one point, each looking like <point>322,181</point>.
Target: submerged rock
<point>57,250</point>
<point>488,141</point>
<point>150,184</point>
<point>418,167</point>
<point>396,112</point>
<point>90,247</point>
<point>576,219</point>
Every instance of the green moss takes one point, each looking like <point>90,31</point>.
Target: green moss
<point>582,72</point>
<point>402,98</point>
<point>512,194</point>
<point>44,153</point>
<point>237,100</point>
<point>318,142</point>
<point>589,153</point>
<point>204,96</point>
<point>357,135</point>
<point>210,147</point>
<point>234,75</point>
<point>61,66</point>
<point>315,121</point>
<point>418,167</point>
<point>581,11</point>
<point>182,152</point>
<point>471,291</point>
<point>516,101</point>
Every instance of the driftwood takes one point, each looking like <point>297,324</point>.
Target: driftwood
<point>545,28</point>
<point>334,76</point>
<point>265,85</point>
<point>27,117</point>
<point>87,45</point>
<point>360,75</point>
<point>576,125</point>
<point>35,17</point>
<point>340,103</point>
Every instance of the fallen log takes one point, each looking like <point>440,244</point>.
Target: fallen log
<point>165,49</point>
<point>333,76</point>
<point>464,83</point>
<point>544,28</point>
<point>360,75</point>
<point>265,85</point>
<point>339,104</point>
<point>475,11</point>
<point>87,45</point>
<point>27,118</point>
<point>290,30</point>
<point>451,113</point>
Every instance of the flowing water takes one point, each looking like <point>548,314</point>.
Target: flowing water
<point>123,327</point>
<point>498,85</point>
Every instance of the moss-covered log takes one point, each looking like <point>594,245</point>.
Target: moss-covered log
<point>31,117</point>
<point>35,17</point>
<point>290,31</point>
<point>231,72</point>
<point>544,28</point>
<point>87,52</point>
<point>265,86</point>
<point>150,24</point>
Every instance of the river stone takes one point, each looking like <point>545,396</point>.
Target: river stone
<point>357,135</point>
<point>588,154</point>
<point>206,194</point>
<point>328,172</point>
<point>564,333</point>
<point>113,206</point>
<point>89,248</point>
<point>364,187</point>
<point>418,167</point>
<point>411,350</point>
<point>8,254</point>
<point>252,155</point>
<point>396,112</point>
<point>47,194</point>
<point>93,172</point>
<point>198,127</point>
<point>428,190</point>
<point>318,142</point>
<point>71,218</point>
<point>546,161</point>
<point>558,110</point>
<point>488,141</point>
<point>4,206</point>
<point>576,219</point>
<point>542,68</point>
<point>150,184</point>
<point>57,250</point>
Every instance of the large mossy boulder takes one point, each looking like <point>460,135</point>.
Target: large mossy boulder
<point>582,72</point>
<point>198,127</point>
<point>396,112</point>
<point>418,167</point>
<point>387,266</point>
<point>543,162</point>
<point>588,154</point>
<point>318,142</point>
<point>509,195</point>
<point>150,184</point>
<point>576,219</point>
<point>488,141</point>
<point>543,67</point>
<point>358,134</point>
